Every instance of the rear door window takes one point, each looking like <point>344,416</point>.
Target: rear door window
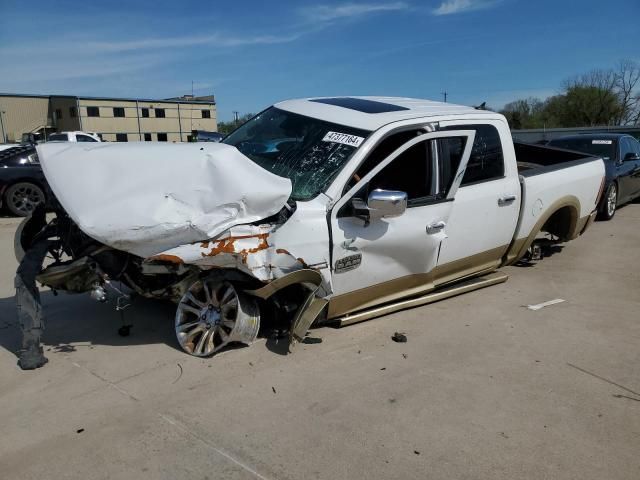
<point>487,160</point>
<point>58,137</point>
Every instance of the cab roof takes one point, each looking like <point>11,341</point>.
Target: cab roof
<point>372,113</point>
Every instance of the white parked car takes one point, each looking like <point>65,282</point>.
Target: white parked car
<point>76,136</point>
<point>324,209</point>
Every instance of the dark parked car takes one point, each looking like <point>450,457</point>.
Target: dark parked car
<point>621,154</point>
<point>22,183</point>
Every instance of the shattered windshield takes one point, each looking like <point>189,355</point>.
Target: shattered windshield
<point>308,151</point>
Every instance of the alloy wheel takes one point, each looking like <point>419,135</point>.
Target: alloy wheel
<point>213,314</point>
<point>612,198</point>
<point>23,198</point>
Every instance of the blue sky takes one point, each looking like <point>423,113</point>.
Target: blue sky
<point>251,54</point>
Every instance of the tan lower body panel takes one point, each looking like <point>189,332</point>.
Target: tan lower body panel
<point>416,284</point>
<point>440,294</point>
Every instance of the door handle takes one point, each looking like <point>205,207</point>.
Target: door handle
<point>506,200</point>
<point>435,227</point>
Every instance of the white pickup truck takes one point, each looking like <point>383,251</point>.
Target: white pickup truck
<point>75,136</point>
<point>323,209</point>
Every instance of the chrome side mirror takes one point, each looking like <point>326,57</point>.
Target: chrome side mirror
<point>381,204</point>
<point>387,203</point>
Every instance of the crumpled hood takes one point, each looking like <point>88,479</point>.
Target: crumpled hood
<point>145,198</point>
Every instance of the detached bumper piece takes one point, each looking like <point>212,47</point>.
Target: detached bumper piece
<point>29,307</point>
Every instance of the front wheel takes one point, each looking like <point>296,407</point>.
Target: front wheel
<point>609,203</point>
<point>22,198</point>
<point>213,314</point>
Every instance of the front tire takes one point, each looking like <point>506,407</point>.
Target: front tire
<point>609,203</point>
<point>22,198</point>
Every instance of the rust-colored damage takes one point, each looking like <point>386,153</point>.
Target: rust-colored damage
<point>227,245</point>
<point>167,258</point>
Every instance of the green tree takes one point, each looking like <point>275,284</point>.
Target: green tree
<point>589,106</point>
<point>598,97</point>
<point>524,113</point>
<point>227,127</point>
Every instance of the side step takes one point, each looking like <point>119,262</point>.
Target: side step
<point>439,294</point>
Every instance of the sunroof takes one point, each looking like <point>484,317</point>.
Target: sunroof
<point>361,104</point>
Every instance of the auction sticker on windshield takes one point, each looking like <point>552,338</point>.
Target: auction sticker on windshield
<point>601,142</point>
<point>344,138</point>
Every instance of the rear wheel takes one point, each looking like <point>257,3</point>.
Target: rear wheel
<point>609,203</point>
<point>22,198</point>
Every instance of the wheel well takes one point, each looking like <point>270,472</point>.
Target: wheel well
<point>562,223</point>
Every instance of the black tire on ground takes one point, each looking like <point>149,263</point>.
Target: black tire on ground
<point>22,198</point>
<point>608,204</point>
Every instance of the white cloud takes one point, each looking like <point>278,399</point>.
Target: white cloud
<point>217,40</point>
<point>327,13</point>
<point>448,7</point>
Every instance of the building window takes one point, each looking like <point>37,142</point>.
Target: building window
<point>58,113</point>
<point>145,113</point>
<point>118,111</point>
<point>73,112</point>
<point>206,114</point>
<point>147,136</point>
<point>162,137</point>
<point>93,112</point>
<point>159,112</point>
<point>121,137</point>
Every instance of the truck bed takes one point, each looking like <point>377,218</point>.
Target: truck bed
<point>538,159</point>
<point>560,190</point>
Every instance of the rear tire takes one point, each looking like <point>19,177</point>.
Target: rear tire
<point>22,198</point>
<point>609,203</point>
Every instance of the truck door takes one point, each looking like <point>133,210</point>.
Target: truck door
<point>377,258</point>
<point>485,213</point>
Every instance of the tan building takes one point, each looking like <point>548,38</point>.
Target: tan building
<point>115,119</point>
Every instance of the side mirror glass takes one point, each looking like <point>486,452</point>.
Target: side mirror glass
<point>630,157</point>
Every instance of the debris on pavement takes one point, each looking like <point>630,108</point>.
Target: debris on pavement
<point>538,306</point>
<point>312,340</point>
<point>274,389</point>
<point>399,337</point>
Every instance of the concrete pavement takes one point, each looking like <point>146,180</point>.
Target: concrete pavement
<point>483,389</point>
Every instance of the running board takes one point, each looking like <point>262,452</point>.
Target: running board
<point>439,294</point>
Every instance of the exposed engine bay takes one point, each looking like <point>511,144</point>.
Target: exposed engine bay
<point>204,253</point>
